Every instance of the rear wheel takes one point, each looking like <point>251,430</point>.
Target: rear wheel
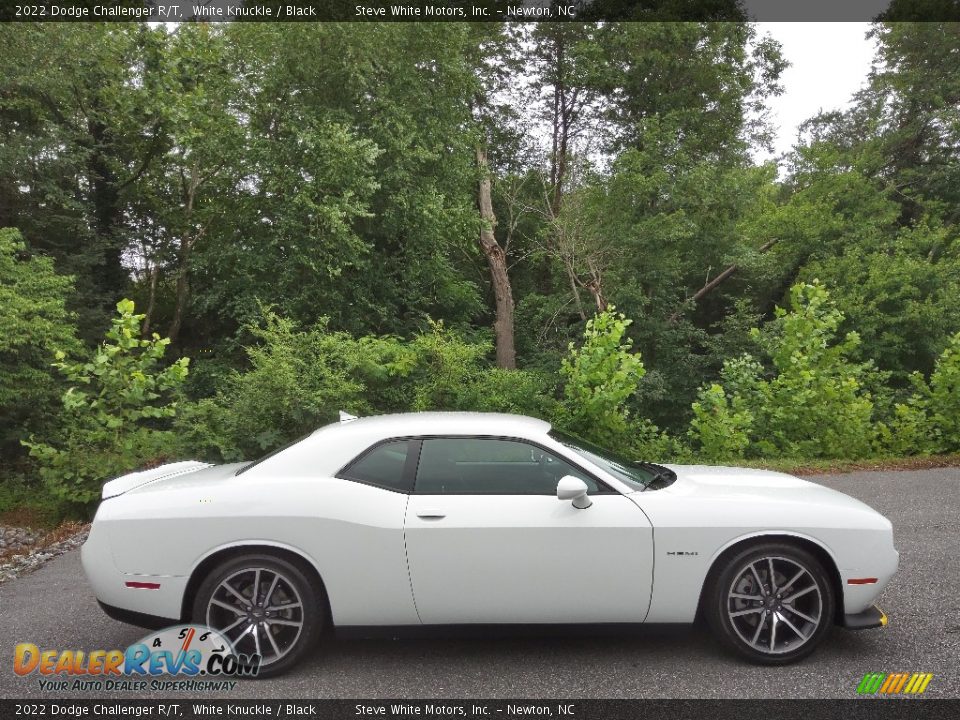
<point>264,605</point>
<point>771,603</point>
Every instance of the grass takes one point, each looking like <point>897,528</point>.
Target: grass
<point>29,504</point>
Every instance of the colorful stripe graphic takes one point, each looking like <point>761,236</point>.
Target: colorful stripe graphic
<point>894,683</point>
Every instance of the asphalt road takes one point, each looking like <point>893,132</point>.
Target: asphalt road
<point>54,609</point>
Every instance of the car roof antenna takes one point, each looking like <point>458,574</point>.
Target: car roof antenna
<point>346,417</point>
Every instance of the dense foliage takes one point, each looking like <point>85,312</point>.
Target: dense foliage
<point>930,419</point>
<point>599,378</point>
<point>113,411</point>
<point>34,324</point>
<point>389,217</point>
<point>814,401</point>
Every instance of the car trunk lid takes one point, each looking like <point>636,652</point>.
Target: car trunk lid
<point>128,482</point>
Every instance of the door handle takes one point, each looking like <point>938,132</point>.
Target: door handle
<point>431,514</point>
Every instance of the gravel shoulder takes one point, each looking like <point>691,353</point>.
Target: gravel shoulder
<point>23,550</point>
<point>54,608</point>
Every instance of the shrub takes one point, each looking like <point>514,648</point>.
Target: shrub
<point>26,503</point>
<point>600,377</point>
<point>446,369</point>
<point>299,380</point>
<point>206,429</point>
<point>814,403</point>
<point>34,323</point>
<point>944,398</point>
<point>451,373</point>
<point>524,392</point>
<point>929,422</point>
<point>722,430</point>
<point>908,431</point>
<point>113,412</point>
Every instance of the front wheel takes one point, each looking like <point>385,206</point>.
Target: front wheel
<point>771,603</point>
<point>264,605</point>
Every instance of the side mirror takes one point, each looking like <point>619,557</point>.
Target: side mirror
<point>574,489</point>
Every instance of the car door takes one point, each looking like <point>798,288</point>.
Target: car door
<point>489,542</point>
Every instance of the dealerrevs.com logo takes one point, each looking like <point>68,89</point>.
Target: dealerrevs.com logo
<point>185,651</point>
<point>900,683</point>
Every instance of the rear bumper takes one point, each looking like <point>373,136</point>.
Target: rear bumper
<point>150,622</point>
<point>142,595</point>
<point>872,617</point>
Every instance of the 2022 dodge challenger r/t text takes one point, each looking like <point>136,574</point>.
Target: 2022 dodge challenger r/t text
<point>433,519</point>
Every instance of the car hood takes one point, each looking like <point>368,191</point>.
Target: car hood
<point>757,487</point>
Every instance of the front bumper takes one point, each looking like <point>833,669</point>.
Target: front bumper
<point>872,617</point>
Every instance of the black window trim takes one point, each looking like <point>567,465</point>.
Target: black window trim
<point>606,489</point>
<point>412,464</point>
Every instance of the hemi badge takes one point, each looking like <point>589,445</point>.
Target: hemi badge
<point>861,581</point>
<point>142,585</point>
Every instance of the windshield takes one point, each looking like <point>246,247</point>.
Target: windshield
<point>636,475</point>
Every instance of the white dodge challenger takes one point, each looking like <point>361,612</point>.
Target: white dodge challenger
<point>438,519</point>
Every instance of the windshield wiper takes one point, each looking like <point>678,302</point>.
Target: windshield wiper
<point>659,473</point>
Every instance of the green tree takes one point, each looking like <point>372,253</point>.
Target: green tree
<point>871,204</point>
<point>113,412</point>
<point>600,377</point>
<point>720,426</point>
<point>680,101</point>
<point>944,398</point>
<point>193,88</point>
<point>815,401</point>
<point>78,131</point>
<point>34,323</point>
<point>929,421</point>
<point>696,87</point>
<point>357,200</point>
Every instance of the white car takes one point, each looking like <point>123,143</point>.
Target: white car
<point>434,519</point>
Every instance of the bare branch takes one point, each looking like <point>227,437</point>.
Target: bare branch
<point>716,282</point>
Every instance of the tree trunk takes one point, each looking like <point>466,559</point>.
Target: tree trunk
<point>560,126</point>
<point>151,300</point>
<point>186,245</point>
<point>183,289</point>
<point>564,110</point>
<point>109,275</point>
<point>595,286</point>
<point>499,278</point>
<point>572,276</point>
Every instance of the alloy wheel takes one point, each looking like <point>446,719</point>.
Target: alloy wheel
<point>260,611</point>
<point>774,604</point>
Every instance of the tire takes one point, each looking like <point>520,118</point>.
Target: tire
<point>291,623</point>
<point>771,628</point>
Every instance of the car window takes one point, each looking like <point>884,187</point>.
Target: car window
<point>382,465</point>
<point>636,475</point>
<point>490,466</point>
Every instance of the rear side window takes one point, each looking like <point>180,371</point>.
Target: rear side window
<point>382,465</point>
